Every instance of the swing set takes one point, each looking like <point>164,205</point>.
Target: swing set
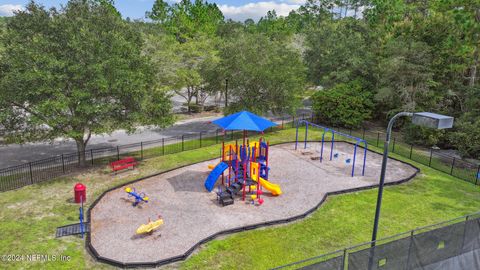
<point>333,132</point>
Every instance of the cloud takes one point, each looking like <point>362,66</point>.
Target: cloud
<point>8,9</point>
<point>257,10</point>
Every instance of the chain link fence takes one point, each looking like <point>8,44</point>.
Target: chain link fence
<point>454,244</point>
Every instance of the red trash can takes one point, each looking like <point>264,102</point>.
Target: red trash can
<point>80,192</point>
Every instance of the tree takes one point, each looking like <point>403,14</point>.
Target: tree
<point>179,66</point>
<point>275,27</point>
<point>406,75</point>
<point>466,15</point>
<point>467,135</point>
<point>263,75</point>
<point>346,105</point>
<point>340,52</point>
<point>75,72</point>
<point>185,19</point>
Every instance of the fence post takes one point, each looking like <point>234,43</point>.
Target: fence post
<point>393,148</point>
<point>378,138</point>
<point>411,149</point>
<point>350,132</point>
<point>478,174</point>
<point>141,150</point>
<point>410,244</point>
<point>200,139</point>
<point>91,155</point>
<point>282,122</point>
<point>430,161</point>
<point>453,164</point>
<point>363,134</point>
<point>183,140</point>
<point>31,173</point>
<point>216,136</point>
<point>231,135</point>
<point>118,153</point>
<point>293,121</point>
<point>344,258</point>
<point>63,164</point>
<point>163,146</point>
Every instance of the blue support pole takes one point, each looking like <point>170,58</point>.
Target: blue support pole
<point>306,136</point>
<point>82,230</point>
<point>321,151</point>
<point>364,157</point>
<point>331,147</point>
<point>296,138</point>
<point>354,156</point>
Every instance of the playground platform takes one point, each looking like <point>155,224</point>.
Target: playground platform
<point>191,215</point>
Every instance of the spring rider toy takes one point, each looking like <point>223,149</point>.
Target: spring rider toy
<point>150,226</point>
<point>139,197</point>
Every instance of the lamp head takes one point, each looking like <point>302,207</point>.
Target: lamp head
<point>432,120</point>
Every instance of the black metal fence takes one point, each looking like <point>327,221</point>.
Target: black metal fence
<point>459,168</point>
<point>454,244</point>
<point>53,167</point>
<point>46,169</point>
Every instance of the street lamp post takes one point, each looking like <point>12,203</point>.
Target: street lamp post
<point>426,119</point>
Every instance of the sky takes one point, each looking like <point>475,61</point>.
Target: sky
<point>239,10</point>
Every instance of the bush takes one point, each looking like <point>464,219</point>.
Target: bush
<point>210,108</point>
<point>423,136</point>
<point>196,108</point>
<point>467,136</point>
<point>346,105</point>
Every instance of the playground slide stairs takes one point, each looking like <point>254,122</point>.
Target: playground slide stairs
<point>225,199</point>
<point>214,174</point>
<point>234,188</point>
<point>72,229</point>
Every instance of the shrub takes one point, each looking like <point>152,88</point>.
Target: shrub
<point>196,108</point>
<point>467,136</point>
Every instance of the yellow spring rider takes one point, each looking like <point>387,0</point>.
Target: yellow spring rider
<point>150,226</point>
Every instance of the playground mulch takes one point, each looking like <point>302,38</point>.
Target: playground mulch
<point>191,214</point>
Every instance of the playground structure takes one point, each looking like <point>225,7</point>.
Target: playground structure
<point>139,197</point>
<point>247,167</point>
<point>150,227</point>
<point>332,155</point>
<point>192,215</point>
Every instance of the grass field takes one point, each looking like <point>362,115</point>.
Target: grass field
<point>30,215</point>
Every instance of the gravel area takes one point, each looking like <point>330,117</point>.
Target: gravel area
<point>191,213</point>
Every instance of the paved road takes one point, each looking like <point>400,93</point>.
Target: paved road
<point>14,154</point>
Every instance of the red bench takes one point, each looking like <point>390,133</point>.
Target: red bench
<point>123,164</point>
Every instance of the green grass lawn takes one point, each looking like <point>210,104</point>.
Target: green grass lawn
<point>31,214</point>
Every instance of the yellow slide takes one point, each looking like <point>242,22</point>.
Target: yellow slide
<point>273,188</point>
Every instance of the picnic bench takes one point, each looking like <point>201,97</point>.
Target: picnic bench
<point>124,163</point>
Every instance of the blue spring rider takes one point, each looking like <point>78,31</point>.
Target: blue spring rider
<point>139,197</point>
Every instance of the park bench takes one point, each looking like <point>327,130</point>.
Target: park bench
<point>124,163</point>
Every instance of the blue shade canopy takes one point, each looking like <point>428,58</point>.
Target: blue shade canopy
<point>244,121</point>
